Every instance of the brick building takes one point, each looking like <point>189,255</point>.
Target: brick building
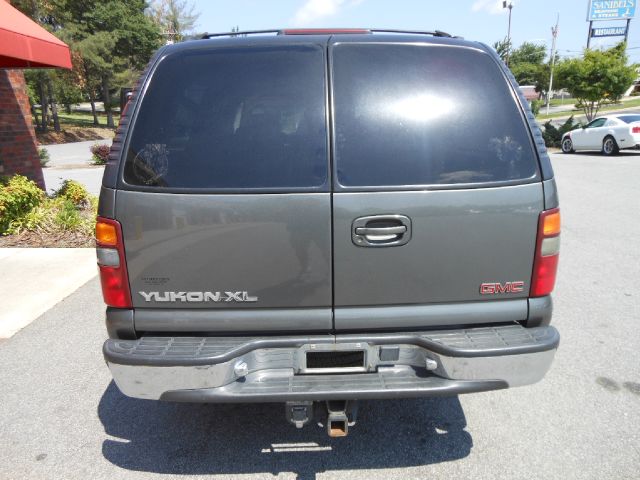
<point>23,44</point>
<point>18,148</point>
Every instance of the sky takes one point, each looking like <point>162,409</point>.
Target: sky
<point>481,20</point>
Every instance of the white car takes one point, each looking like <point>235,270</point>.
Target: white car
<point>609,134</point>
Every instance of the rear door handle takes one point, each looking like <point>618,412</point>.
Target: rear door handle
<point>381,231</point>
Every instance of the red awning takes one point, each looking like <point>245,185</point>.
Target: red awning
<point>25,44</point>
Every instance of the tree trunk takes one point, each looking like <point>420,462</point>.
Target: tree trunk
<point>54,107</point>
<point>34,113</point>
<point>44,125</point>
<point>92,101</point>
<point>107,102</point>
<point>591,109</point>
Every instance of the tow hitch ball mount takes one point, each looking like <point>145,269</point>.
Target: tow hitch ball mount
<point>338,416</point>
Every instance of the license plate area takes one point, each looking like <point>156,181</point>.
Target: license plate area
<point>346,359</point>
<point>338,359</point>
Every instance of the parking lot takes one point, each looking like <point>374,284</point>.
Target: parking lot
<point>62,417</point>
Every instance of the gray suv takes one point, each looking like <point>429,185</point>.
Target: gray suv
<point>327,216</point>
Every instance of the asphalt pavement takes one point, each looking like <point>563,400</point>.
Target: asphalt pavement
<point>73,161</point>
<point>62,417</point>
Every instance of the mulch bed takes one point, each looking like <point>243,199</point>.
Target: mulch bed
<point>48,240</point>
<point>74,134</point>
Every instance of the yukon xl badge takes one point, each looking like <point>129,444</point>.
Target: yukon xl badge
<point>493,288</point>
<point>198,297</point>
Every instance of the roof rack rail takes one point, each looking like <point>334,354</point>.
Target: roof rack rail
<point>325,31</point>
<point>238,34</point>
<point>288,31</point>
<point>435,33</point>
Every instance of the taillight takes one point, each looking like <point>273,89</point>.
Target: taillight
<point>111,262</point>
<point>635,130</point>
<point>545,264</point>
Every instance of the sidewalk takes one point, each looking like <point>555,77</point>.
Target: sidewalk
<point>35,279</point>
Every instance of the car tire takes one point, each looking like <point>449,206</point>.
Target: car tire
<point>609,146</point>
<point>567,146</point>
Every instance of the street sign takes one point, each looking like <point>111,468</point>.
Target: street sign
<point>608,32</point>
<point>611,10</point>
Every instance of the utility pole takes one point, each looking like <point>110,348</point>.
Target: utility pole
<point>554,33</point>
<point>508,5</point>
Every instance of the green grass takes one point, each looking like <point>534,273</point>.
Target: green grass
<point>607,108</point>
<point>84,119</point>
<point>567,101</point>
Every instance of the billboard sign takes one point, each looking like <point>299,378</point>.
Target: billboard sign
<point>608,32</point>
<point>611,10</point>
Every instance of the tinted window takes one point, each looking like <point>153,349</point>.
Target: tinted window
<point>419,115</point>
<point>630,118</point>
<point>597,123</point>
<point>233,118</point>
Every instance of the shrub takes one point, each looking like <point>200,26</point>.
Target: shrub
<point>18,197</point>
<point>67,215</point>
<point>535,106</point>
<point>43,153</point>
<point>74,192</point>
<point>57,215</point>
<point>553,136</point>
<point>23,206</point>
<point>100,153</point>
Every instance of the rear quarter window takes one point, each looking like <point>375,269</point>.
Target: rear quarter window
<point>232,118</point>
<point>630,118</point>
<point>411,115</point>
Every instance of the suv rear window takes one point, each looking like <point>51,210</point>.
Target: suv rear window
<point>408,115</point>
<point>233,118</point>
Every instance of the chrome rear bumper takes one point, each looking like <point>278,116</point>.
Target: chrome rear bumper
<point>395,365</point>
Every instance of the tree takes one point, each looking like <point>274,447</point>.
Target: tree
<point>502,47</point>
<point>111,41</point>
<point>37,88</point>
<point>526,63</point>
<point>42,82</point>
<point>68,86</point>
<point>600,77</point>
<point>100,63</point>
<point>528,53</point>
<point>174,17</point>
<point>112,36</point>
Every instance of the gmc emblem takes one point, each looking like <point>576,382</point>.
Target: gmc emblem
<point>494,288</point>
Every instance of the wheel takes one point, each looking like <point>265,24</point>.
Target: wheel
<point>609,146</point>
<point>567,146</point>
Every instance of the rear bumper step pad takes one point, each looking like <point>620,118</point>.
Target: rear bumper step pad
<point>472,342</point>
